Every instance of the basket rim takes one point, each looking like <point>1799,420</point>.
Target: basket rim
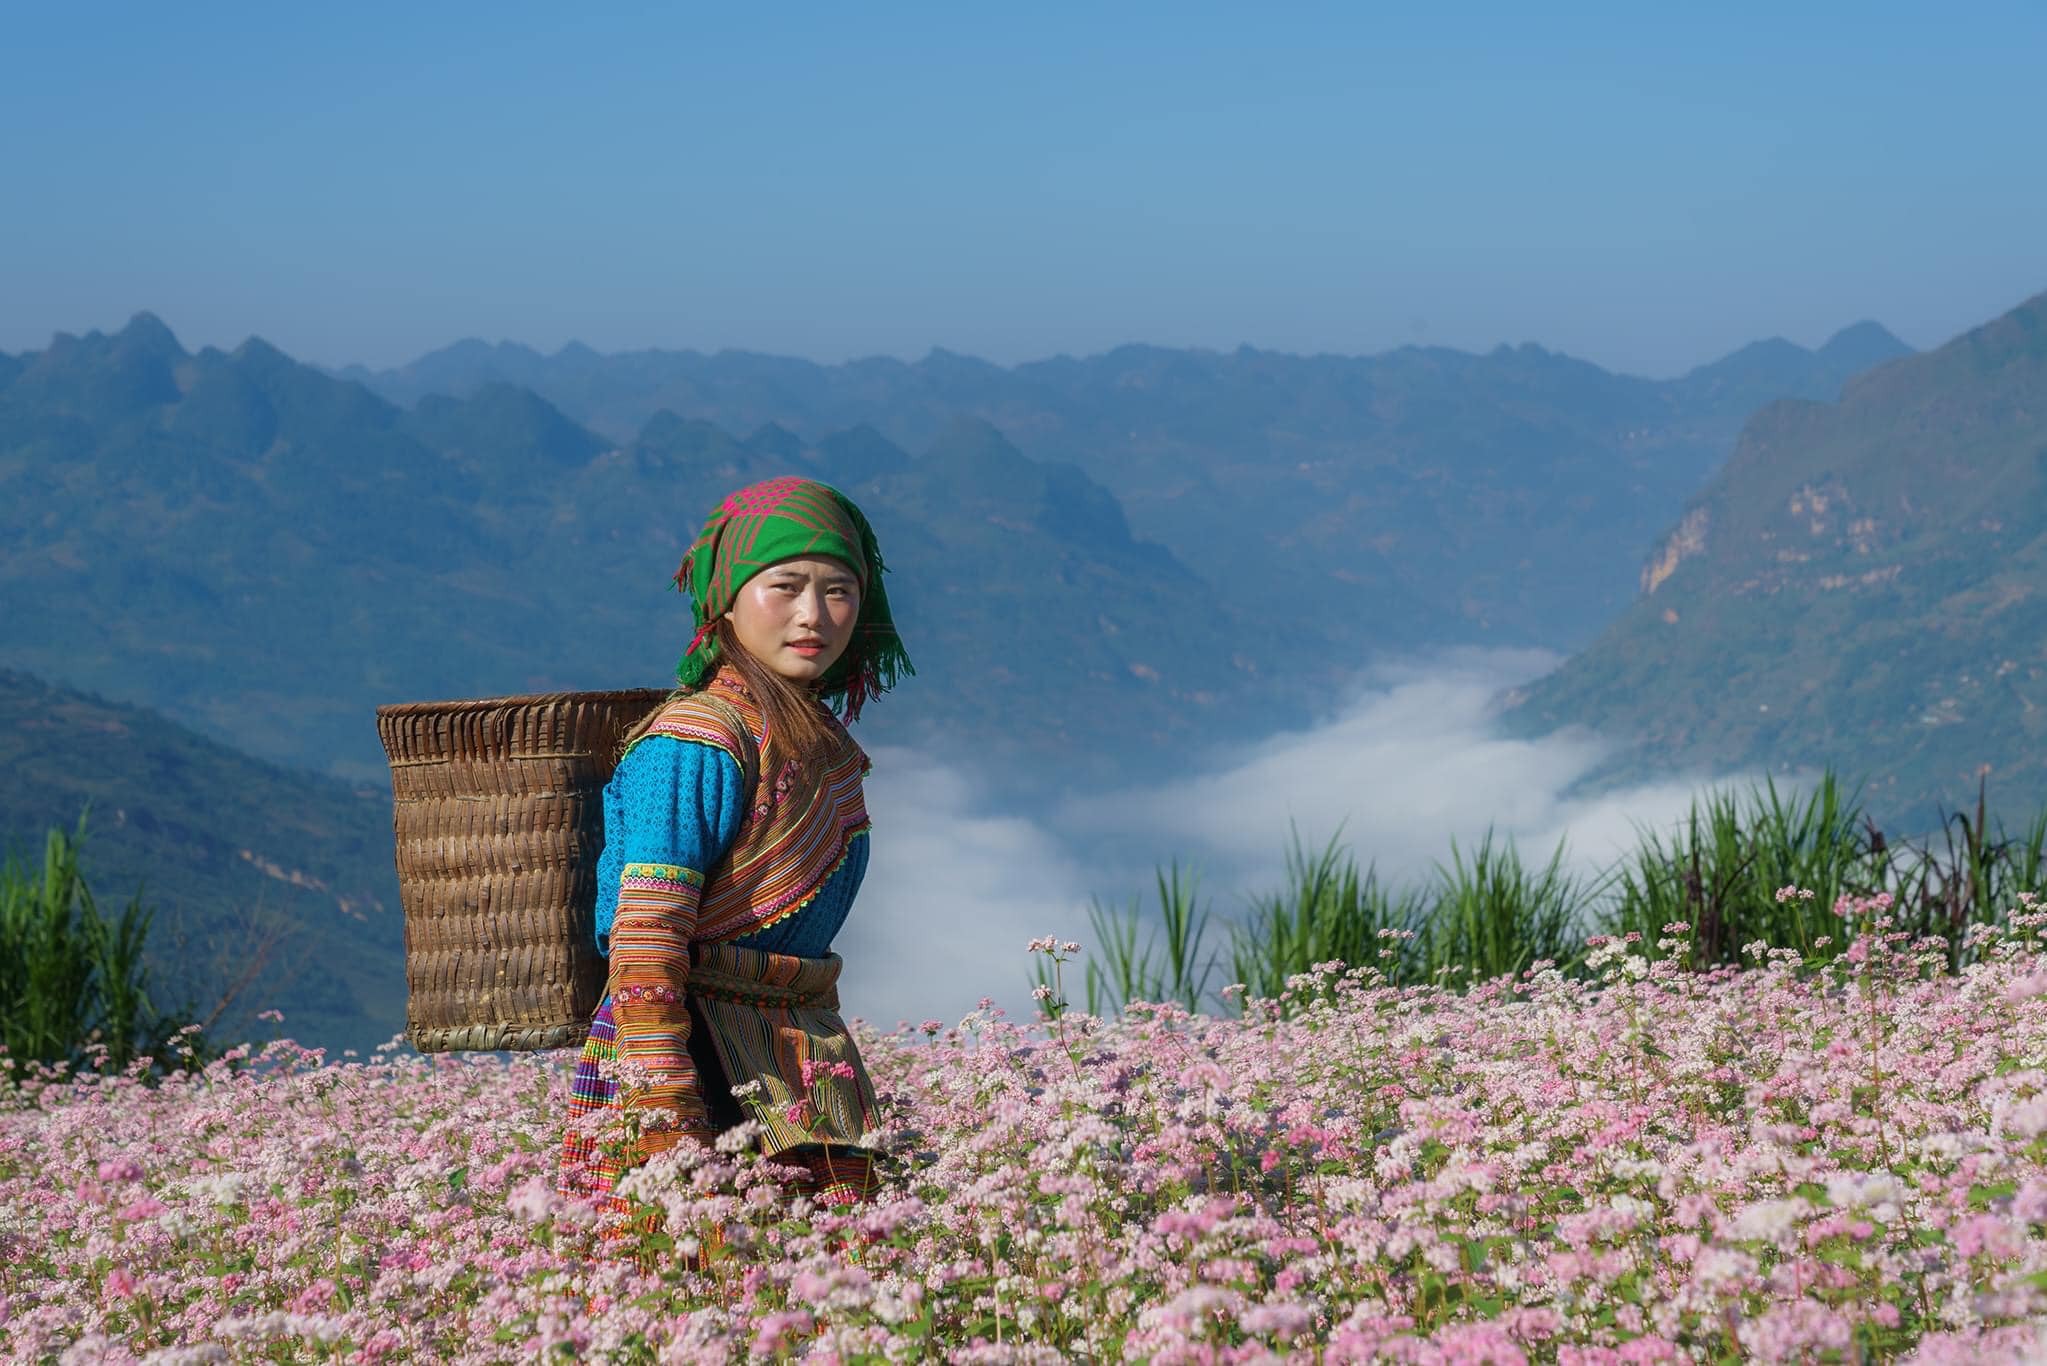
<point>466,704</point>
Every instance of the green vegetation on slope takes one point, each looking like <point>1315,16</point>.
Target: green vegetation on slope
<point>1865,584</point>
<point>274,885</point>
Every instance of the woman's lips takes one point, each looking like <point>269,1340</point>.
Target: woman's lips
<point>807,649</point>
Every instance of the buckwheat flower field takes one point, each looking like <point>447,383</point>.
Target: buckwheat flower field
<point>1785,1162</point>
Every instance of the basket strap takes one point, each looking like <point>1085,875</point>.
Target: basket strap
<point>750,765</point>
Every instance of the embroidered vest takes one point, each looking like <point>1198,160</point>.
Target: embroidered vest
<point>799,825</point>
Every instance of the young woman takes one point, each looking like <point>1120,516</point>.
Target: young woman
<point>735,838</point>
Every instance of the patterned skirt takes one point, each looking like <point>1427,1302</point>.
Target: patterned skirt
<point>834,1174</point>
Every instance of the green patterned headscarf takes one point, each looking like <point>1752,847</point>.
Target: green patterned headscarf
<point>774,520</point>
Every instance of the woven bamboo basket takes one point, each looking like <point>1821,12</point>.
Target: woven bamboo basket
<point>498,815</point>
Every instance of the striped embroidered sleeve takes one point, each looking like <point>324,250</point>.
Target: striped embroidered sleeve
<point>680,807</point>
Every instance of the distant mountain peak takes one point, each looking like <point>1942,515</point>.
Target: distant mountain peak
<point>476,348</point>
<point>1768,346</point>
<point>101,374</point>
<point>945,362</point>
<point>860,453</point>
<point>503,394</point>
<point>669,430</point>
<point>1751,376</point>
<point>1863,344</point>
<point>774,439</point>
<point>256,349</point>
<point>147,331</point>
<point>2020,332</point>
<point>1862,333</point>
<point>512,420</point>
<point>966,435</point>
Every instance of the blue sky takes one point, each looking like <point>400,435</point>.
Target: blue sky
<point>1647,186</point>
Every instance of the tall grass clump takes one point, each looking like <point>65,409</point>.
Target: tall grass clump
<point>1123,970</point>
<point>1481,918</point>
<point>1327,912</point>
<point>1972,885</point>
<point>1719,875</point>
<point>74,986</point>
<point>1720,872</point>
<point>1498,917</point>
<point>1489,915</point>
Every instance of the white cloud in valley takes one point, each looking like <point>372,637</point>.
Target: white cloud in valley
<point>953,892</point>
<point>1407,760</point>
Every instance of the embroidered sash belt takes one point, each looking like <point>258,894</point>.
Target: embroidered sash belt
<point>768,1014</point>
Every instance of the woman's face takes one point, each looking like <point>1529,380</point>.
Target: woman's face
<point>796,616</point>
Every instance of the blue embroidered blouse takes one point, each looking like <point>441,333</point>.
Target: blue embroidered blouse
<point>677,801</point>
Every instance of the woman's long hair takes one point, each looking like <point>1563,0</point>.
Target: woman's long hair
<point>801,726</point>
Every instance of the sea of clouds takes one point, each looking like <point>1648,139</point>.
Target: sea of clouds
<point>958,881</point>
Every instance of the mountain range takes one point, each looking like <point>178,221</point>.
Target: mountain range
<point>1501,498</point>
<point>268,553</point>
<point>214,565</point>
